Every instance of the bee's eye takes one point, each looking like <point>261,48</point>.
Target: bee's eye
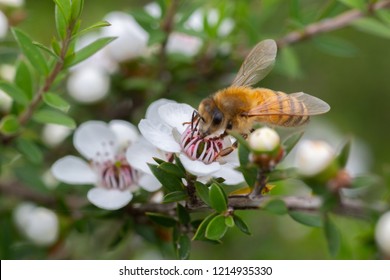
<point>217,117</point>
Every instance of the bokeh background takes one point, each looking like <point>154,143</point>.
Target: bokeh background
<point>348,68</point>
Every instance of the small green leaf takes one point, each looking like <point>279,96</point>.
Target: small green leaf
<point>343,156</point>
<point>56,117</point>
<point>201,231</point>
<point>249,172</point>
<point>372,26</point>
<point>76,9</point>
<point>30,150</point>
<point>282,174</point>
<point>218,199</point>
<point>172,169</point>
<point>384,15</point>
<point>61,22</point>
<point>55,45</point>
<point>216,228</point>
<point>161,219</point>
<point>332,236</point>
<point>17,94</point>
<point>240,139</point>
<point>366,181</point>
<point>55,101</point>
<point>229,221</point>
<point>24,79</point>
<point>175,196</point>
<point>88,51</point>
<point>182,214</point>
<point>170,182</point>
<point>355,4</point>
<point>9,125</point>
<point>32,52</point>
<point>96,25</point>
<point>310,220</point>
<point>158,160</point>
<point>241,225</point>
<point>291,141</point>
<point>184,247</point>
<point>203,192</point>
<point>47,50</point>
<point>276,206</point>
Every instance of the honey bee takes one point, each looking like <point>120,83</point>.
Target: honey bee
<point>239,107</point>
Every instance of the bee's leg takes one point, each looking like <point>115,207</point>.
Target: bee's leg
<point>226,151</point>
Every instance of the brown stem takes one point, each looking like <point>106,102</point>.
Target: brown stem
<point>331,24</point>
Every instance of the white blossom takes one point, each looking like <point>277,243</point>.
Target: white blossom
<point>264,139</point>
<point>3,25</point>
<point>54,134</point>
<point>382,233</point>
<point>12,3</point>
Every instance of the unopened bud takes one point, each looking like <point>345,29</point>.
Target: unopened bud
<point>382,233</point>
<point>264,140</point>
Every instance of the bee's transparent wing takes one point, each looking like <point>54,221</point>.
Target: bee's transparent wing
<point>294,104</point>
<point>257,64</point>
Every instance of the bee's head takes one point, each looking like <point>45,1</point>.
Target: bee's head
<point>212,119</point>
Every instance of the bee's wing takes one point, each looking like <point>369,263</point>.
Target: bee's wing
<point>294,104</point>
<point>257,64</point>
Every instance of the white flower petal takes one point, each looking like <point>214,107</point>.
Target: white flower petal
<point>231,176</point>
<point>125,132</point>
<point>149,183</point>
<point>153,9</point>
<point>176,114</point>
<point>141,153</point>
<point>198,167</point>
<point>73,170</point>
<point>94,138</point>
<point>159,135</point>
<point>109,199</point>
<point>152,111</point>
<point>3,25</point>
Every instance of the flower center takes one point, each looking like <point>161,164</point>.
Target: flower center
<point>114,171</point>
<point>198,148</point>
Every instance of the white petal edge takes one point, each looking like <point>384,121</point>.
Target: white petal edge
<point>109,199</point>
<point>126,133</point>
<point>198,167</point>
<point>152,111</point>
<point>175,114</point>
<point>149,183</point>
<point>73,170</point>
<point>141,153</point>
<point>94,137</point>
<point>159,135</point>
<point>231,176</point>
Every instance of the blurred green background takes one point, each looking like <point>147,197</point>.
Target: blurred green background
<point>356,83</point>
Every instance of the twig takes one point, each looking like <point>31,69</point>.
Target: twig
<point>331,24</point>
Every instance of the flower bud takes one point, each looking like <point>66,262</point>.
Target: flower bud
<point>264,140</point>
<point>12,3</point>
<point>54,134</point>
<point>3,25</point>
<point>313,157</point>
<point>382,233</point>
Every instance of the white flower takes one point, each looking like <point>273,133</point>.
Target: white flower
<point>164,127</point>
<point>312,157</point>
<point>12,3</point>
<point>132,38</point>
<point>153,9</point>
<point>54,134</point>
<point>88,84</point>
<point>3,25</point>
<point>114,178</point>
<point>7,72</point>
<point>183,44</point>
<point>382,233</point>
<point>264,139</point>
<point>5,102</point>
<point>38,224</point>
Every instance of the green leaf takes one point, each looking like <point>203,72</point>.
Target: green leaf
<point>9,125</point>
<point>55,101</point>
<point>55,117</point>
<point>172,169</point>
<point>372,26</point>
<point>276,206</point>
<point>332,236</point>
<point>170,182</point>
<point>203,192</point>
<point>291,141</point>
<point>29,150</point>
<point>384,15</point>
<point>88,51</point>
<point>24,79</point>
<point>61,22</point>
<point>241,225</point>
<point>282,174</point>
<point>31,51</point>
<point>183,247</point>
<point>248,171</point>
<point>201,231</point>
<point>161,219</point>
<point>310,220</point>
<point>229,221</point>
<point>355,4</point>
<point>96,25</point>
<point>76,9</point>
<point>182,214</point>
<point>366,181</point>
<point>47,50</point>
<point>240,139</point>
<point>218,199</point>
<point>216,228</point>
<point>343,156</point>
<point>55,45</point>
<point>175,196</point>
<point>17,94</point>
